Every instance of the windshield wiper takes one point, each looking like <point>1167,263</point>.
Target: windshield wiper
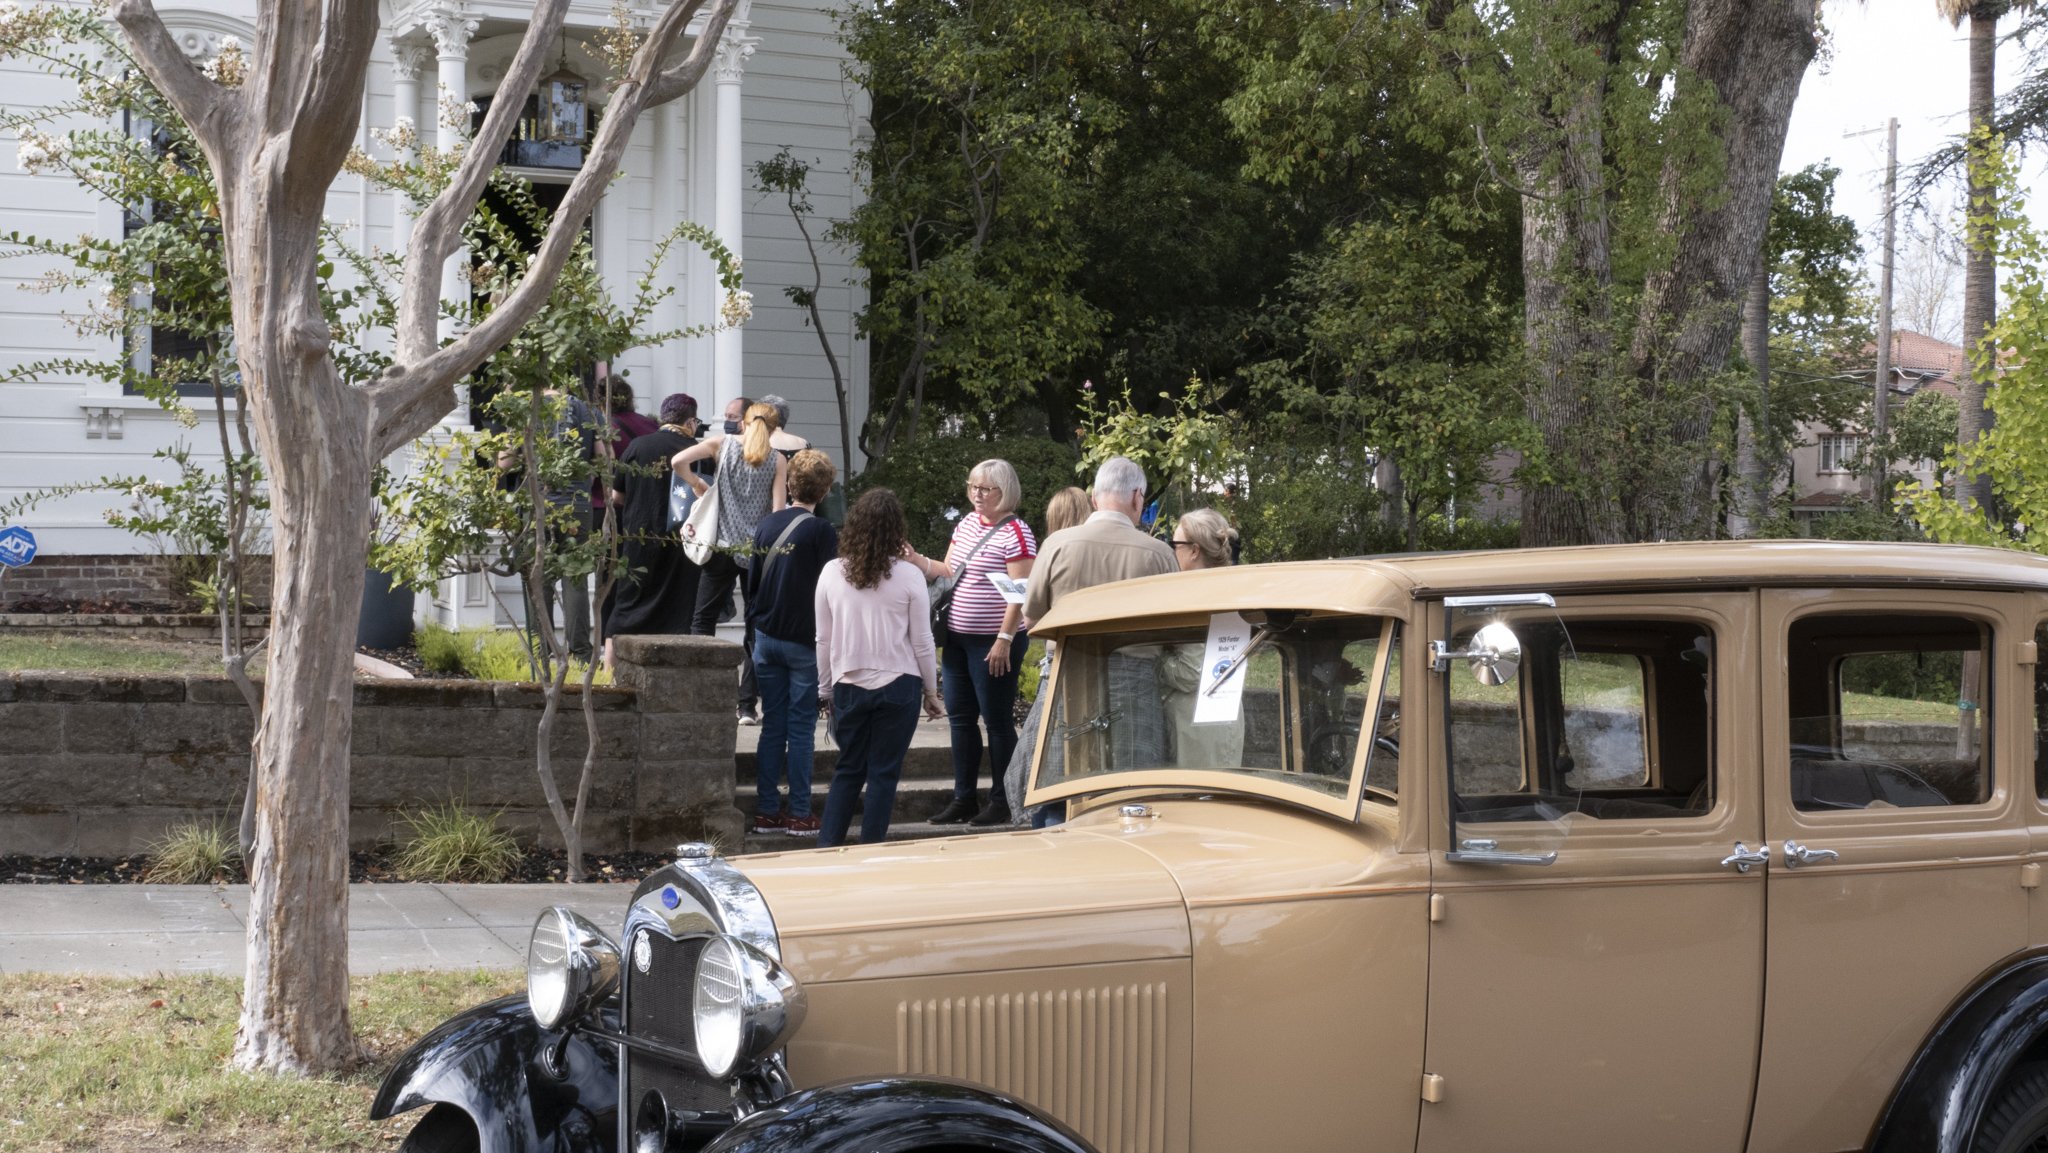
<point>1260,637</point>
<point>1099,723</point>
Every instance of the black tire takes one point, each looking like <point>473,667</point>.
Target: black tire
<point>2016,1121</point>
<point>445,1129</point>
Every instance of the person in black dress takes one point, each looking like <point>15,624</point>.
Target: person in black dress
<point>657,584</point>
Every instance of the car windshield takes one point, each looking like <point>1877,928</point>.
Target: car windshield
<point>1284,700</point>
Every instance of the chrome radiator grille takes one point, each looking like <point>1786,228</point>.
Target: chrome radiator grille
<point>1094,1058</point>
<point>657,1008</point>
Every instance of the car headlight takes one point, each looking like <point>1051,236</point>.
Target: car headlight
<point>744,1007</point>
<point>570,967</point>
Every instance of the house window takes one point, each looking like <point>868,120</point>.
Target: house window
<point>168,349</point>
<point>1840,452</point>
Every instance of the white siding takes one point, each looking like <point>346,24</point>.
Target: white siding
<point>794,94</point>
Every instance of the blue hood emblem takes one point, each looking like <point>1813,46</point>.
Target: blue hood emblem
<point>669,897</point>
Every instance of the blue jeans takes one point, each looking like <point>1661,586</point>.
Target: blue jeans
<point>873,728</point>
<point>974,698</point>
<point>787,674</point>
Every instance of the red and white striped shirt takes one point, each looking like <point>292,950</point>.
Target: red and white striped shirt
<point>977,607</point>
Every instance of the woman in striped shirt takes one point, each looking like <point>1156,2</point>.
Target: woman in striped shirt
<point>978,664</point>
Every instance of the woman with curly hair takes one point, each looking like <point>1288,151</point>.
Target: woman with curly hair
<point>875,654</point>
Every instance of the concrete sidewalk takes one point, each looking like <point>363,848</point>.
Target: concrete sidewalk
<point>137,930</point>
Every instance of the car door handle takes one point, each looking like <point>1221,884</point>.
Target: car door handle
<point>1744,856</point>
<point>1478,852</point>
<point>1797,855</point>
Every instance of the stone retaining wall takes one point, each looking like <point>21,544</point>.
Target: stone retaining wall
<point>99,766</point>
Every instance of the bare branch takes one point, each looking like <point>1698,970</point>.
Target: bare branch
<point>683,75</point>
<point>437,230</point>
<point>400,409</point>
<point>327,118</point>
<point>200,101</point>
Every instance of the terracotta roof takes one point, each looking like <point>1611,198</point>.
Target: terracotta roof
<point>1914,352</point>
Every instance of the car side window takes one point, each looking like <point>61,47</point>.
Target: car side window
<point>1888,711</point>
<point>1607,718</point>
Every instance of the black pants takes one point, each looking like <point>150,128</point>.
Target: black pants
<point>721,576</point>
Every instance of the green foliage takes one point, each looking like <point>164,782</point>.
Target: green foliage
<point>1185,451</point>
<point>450,843</point>
<point>2013,455</point>
<point>1411,354</point>
<point>929,475</point>
<point>194,853</point>
<point>486,654</point>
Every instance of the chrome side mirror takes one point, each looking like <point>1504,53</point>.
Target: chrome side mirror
<point>1494,654</point>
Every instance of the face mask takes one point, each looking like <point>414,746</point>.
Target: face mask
<point>732,428</point>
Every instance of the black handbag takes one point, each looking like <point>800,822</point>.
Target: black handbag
<point>944,588</point>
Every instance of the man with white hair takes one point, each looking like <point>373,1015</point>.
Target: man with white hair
<point>1108,546</point>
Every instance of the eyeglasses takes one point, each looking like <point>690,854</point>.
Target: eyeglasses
<point>984,490</point>
<point>1183,543</point>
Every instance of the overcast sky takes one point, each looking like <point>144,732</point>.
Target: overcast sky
<point>1891,58</point>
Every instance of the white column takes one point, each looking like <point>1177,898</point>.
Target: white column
<point>729,182</point>
<point>451,25</point>
<point>668,186</point>
<point>409,63</point>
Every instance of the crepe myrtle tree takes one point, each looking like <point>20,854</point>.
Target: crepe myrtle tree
<point>275,134</point>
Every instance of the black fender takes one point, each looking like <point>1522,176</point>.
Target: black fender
<point>895,1115</point>
<point>1937,1104</point>
<point>496,1063</point>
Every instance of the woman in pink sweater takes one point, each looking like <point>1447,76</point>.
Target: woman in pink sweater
<point>875,656</point>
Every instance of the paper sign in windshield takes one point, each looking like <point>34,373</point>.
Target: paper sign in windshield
<point>1221,703</point>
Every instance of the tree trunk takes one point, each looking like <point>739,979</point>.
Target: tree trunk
<point>1752,476</point>
<point>295,1002</point>
<point>1566,275</point>
<point>1745,60</point>
<point>1980,268</point>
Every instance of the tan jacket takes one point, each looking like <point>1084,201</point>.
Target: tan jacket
<point>1103,548</point>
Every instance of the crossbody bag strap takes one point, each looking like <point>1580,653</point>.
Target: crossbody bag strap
<point>985,538</point>
<point>775,550</point>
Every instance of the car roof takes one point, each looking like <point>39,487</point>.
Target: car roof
<point>1385,584</point>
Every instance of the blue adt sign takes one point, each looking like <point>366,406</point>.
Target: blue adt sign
<point>17,546</point>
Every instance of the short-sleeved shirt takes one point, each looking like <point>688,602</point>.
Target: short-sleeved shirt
<point>977,607</point>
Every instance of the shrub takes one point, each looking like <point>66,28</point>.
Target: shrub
<point>453,843</point>
<point>194,853</point>
<point>486,654</point>
<point>929,475</point>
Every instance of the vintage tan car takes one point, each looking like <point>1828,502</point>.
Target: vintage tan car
<point>1652,848</point>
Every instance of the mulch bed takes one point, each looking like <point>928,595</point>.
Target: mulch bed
<point>49,605</point>
<point>373,866</point>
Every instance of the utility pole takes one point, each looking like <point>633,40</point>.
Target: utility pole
<point>1881,394</point>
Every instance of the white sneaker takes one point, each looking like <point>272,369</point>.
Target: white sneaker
<point>746,717</point>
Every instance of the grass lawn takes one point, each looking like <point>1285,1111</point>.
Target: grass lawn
<point>132,1064</point>
<point>23,650</point>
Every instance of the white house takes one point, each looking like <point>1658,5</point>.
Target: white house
<point>778,81</point>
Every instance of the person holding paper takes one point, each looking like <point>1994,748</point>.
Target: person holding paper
<point>1202,539</point>
<point>982,644</point>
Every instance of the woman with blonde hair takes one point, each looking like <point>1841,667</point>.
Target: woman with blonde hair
<point>752,482</point>
<point>982,644</point>
<point>1202,539</point>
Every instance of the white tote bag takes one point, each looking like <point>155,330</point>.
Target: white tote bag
<point>700,531</point>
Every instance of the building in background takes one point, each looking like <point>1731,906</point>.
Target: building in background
<point>778,81</point>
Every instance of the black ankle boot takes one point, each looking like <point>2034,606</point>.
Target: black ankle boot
<point>996,812</point>
<point>956,811</point>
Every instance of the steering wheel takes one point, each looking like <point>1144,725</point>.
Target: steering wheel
<point>1329,749</point>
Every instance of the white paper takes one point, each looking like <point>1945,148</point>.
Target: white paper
<point>1214,704</point>
<point>1012,588</point>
